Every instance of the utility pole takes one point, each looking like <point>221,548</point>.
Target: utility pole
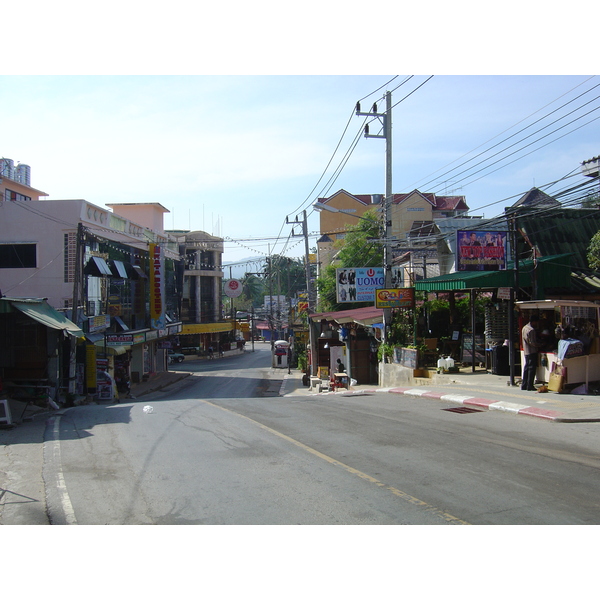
<point>77,298</point>
<point>386,120</point>
<point>309,290</point>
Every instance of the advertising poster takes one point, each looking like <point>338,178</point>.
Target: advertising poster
<point>395,298</point>
<point>359,285</point>
<point>481,250</point>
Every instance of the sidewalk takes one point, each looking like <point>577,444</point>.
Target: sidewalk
<point>481,390</point>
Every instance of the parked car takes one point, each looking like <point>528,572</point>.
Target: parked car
<point>191,350</point>
<point>175,357</point>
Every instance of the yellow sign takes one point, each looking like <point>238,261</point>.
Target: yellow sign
<point>189,328</point>
<point>395,298</point>
<point>90,366</point>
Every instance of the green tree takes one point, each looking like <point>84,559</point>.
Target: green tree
<point>592,200</point>
<point>593,252</point>
<point>360,248</point>
<point>288,275</point>
<point>253,290</point>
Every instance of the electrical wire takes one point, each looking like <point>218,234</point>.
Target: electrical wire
<point>420,182</point>
<point>517,133</point>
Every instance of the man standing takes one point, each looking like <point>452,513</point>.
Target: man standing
<point>531,347</point>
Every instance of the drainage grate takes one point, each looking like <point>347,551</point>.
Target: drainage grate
<point>462,409</point>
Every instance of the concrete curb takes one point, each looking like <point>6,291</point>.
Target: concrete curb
<point>468,401</point>
<point>485,404</point>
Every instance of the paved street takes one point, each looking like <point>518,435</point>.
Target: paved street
<point>233,441</point>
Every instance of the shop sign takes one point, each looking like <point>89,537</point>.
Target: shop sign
<point>233,288</point>
<point>395,298</point>
<point>139,338</point>
<point>119,339</point>
<point>99,323</point>
<point>151,335</point>
<point>157,286</point>
<point>358,285</point>
<point>90,366</point>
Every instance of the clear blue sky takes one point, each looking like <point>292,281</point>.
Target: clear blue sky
<point>235,154</point>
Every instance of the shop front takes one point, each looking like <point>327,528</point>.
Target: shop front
<point>38,351</point>
<point>202,336</point>
<point>568,331</point>
<point>348,335</point>
<point>126,357</point>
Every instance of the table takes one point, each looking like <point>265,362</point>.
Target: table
<point>341,380</point>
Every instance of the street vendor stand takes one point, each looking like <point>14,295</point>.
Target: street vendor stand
<point>571,345</point>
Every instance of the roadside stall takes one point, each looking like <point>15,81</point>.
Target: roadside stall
<point>568,330</point>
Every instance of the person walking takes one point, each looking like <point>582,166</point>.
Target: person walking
<point>531,347</point>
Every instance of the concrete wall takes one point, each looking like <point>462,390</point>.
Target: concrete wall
<point>392,375</point>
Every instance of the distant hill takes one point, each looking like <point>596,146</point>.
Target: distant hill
<point>240,267</point>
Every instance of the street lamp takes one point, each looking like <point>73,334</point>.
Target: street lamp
<point>320,206</point>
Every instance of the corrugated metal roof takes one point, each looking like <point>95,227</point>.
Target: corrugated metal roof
<point>560,231</point>
<point>552,271</point>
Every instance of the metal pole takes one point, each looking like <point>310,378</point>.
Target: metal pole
<point>387,263</point>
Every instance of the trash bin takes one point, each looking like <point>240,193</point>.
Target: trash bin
<point>500,360</point>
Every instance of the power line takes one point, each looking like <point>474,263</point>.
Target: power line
<point>418,183</point>
<point>515,134</point>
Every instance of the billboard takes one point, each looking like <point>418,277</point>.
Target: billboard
<point>157,287</point>
<point>395,298</point>
<point>481,250</point>
<point>358,285</point>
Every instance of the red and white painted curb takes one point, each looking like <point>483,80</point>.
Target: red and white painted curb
<point>481,403</point>
<point>468,401</point>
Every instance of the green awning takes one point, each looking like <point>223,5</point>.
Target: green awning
<point>39,310</point>
<point>551,271</point>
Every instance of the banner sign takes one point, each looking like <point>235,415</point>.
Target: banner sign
<point>157,287</point>
<point>395,298</point>
<point>481,250</point>
<point>359,285</point>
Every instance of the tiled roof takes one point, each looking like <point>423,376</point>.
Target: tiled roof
<point>438,202</point>
<point>366,199</point>
<point>535,197</point>
<point>450,203</point>
<point>423,229</point>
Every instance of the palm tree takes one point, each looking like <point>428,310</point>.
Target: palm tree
<point>253,289</point>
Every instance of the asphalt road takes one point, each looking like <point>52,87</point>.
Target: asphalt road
<point>216,451</point>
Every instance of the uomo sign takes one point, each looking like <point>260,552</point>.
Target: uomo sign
<point>359,285</point>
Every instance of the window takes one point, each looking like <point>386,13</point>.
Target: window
<point>70,242</point>
<point>9,195</point>
<point>18,256</point>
